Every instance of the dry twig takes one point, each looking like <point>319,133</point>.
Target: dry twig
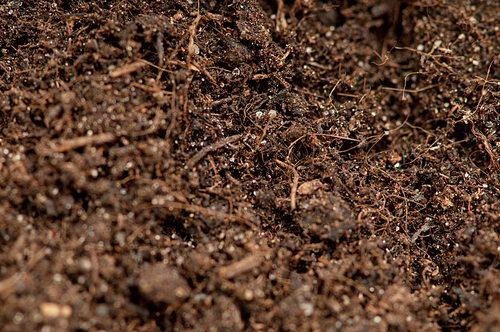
<point>242,266</point>
<point>79,142</point>
<point>203,152</point>
<point>295,183</point>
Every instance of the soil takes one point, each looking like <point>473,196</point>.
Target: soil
<point>248,165</point>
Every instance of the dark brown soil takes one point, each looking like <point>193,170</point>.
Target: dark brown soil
<point>248,165</point>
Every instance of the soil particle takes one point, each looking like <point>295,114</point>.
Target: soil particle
<point>326,217</point>
<point>161,285</point>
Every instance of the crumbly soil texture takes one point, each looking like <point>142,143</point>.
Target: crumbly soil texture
<point>243,165</point>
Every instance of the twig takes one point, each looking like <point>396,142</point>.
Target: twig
<point>242,266</point>
<point>127,69</point>
<point>295,183</point>
<point>348,95</point>
<point>179,63</point>
<point>280,17</point>
<point>216,103</point>
<point>331,92</point>
<point>259,140</point>
<point>203,152</point>
<point>79,142</point>
<point>483,91</point>
<point>410,90</point>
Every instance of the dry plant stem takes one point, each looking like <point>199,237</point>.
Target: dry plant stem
<point>203,152</point>
<point>79,142</point>
<point>160,68</point>
<point>410,90</point>
<point>199,209</point>
<point>280,17</point>
<point>192,33</point>
<point>173,110</point>
<point>242,266</point>
<point>404,87</point>
<point>331,92</point>
<point>487,146</point>
<point>295,183</point>
<point>127,69</point>
<point>483,91</point>
<point>434,57</point>
<point>259,140</point>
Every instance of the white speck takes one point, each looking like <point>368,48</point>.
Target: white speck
<point>307,308</point>
<point>438,43</point>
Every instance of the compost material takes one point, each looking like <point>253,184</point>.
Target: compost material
<point>247,165</point>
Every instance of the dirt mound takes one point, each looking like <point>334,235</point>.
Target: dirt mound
<point>245,165</point>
